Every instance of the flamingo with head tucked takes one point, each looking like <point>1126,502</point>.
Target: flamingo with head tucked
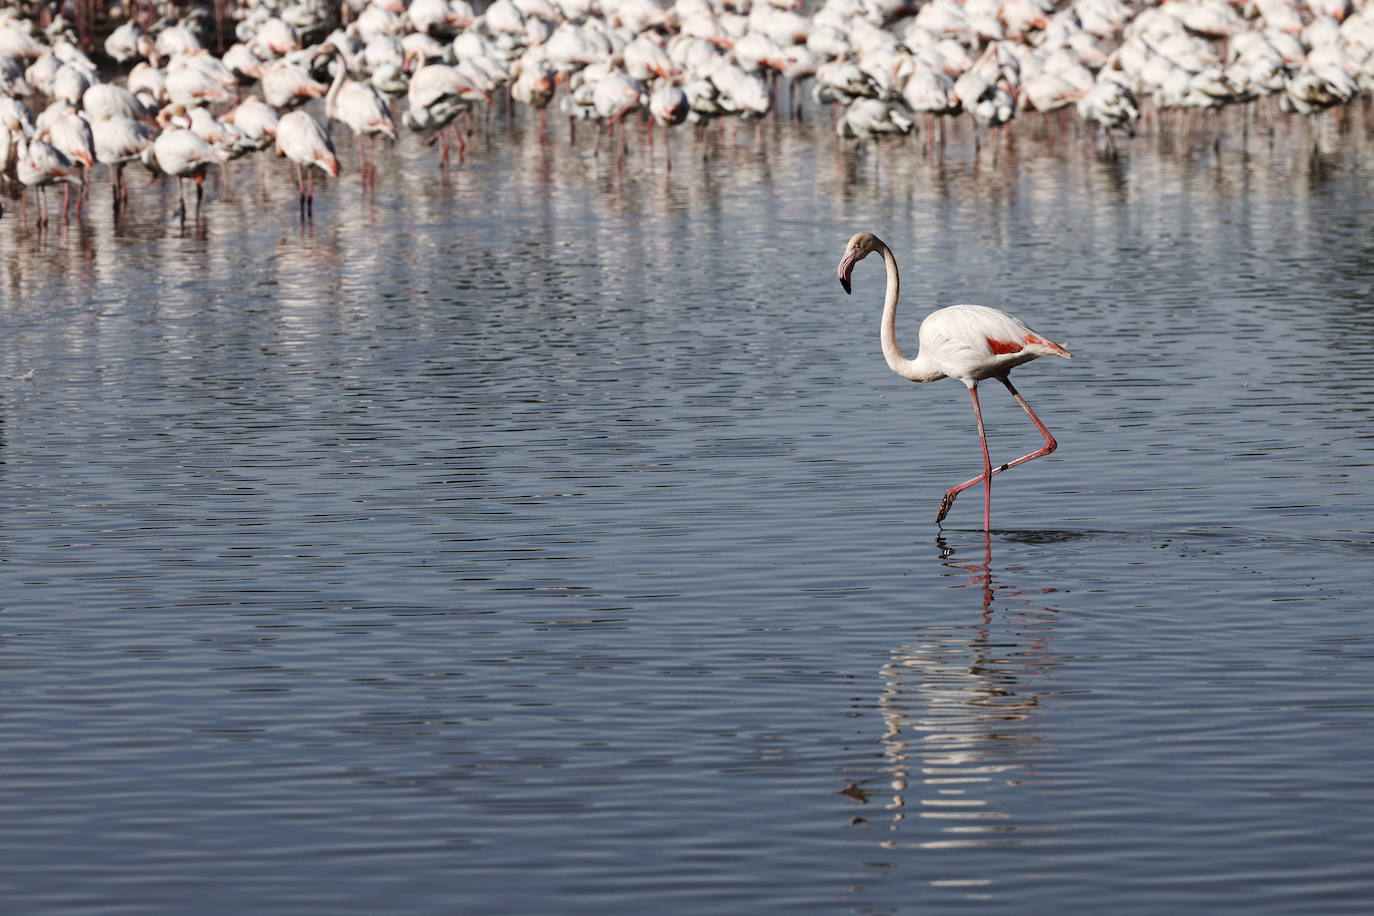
<point>181,153</point>
<point>965,342</point>
<point>301,139</point>
<point>40,164</point>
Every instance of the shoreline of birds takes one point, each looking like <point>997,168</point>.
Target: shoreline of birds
<point>84,85</point>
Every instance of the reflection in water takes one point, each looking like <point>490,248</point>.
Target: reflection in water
<point>961,708</point>
<point>492,527</point>
<point>511,173</point>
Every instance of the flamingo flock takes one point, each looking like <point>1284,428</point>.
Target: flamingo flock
<point>182,88</point>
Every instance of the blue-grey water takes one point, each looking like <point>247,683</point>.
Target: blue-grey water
<point>546,537</point>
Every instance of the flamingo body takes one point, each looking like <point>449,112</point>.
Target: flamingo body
<point>301,139</point>
<point>965,342</point>
<point>119,139</point>
<point>41,164</point>
<point>975,342</point>
<point>360,107</point>
<point>181,153</point>
<point>256,122</point>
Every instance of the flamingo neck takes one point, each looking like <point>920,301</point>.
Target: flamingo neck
<point>332,95</point>
<point>916,369</point>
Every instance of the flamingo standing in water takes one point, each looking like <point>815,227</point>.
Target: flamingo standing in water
<point>965,342</point>
<point>301,139</point>
<point>118,141</point>
<point>181,153</point>
<point>40,164</point>
<point>360,107</point>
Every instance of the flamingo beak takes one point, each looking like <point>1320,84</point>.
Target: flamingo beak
<point>846,268</point>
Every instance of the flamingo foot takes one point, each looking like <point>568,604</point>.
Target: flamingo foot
<point>945,505</point>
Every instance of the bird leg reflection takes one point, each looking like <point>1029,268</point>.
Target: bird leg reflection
<point>959,705</point>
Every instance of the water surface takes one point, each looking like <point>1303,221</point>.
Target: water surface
<point>542,536</point>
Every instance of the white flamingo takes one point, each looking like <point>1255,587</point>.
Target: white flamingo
<point>182,154</point>
<point>360,107</point>
<point>256,122</point>
<point>534,85</point>
<point>118,141</point>
<point>868,119</point>
<point>286,84</point>
<point>437,95</point>
<point>965,342</point>
<point>301,139</point>
<point>39,165</point>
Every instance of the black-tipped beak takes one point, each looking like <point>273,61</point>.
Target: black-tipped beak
<point>845,269</point>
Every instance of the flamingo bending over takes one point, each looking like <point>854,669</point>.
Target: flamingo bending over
<point>437,94</point>
<point>965,342</point>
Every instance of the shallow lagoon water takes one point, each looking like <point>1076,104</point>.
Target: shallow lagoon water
<point>551,537</point>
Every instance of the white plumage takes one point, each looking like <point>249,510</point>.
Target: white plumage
<point>965,342</point>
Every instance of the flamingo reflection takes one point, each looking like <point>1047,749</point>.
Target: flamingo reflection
<point>961,708</point>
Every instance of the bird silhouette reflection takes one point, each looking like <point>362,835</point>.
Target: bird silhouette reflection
<point>964,723</point>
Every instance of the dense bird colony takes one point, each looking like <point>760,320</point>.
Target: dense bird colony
<point>183,87</point>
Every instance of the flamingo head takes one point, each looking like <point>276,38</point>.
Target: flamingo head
<point>859,247</point>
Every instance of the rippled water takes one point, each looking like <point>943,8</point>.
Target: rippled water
<point>547,537</point>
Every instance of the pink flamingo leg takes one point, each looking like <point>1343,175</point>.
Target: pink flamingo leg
<point>1049,446</point>
<point>987,462</point>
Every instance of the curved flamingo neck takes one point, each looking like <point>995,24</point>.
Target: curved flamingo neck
<point>917,370</point>
<point>331,97</point>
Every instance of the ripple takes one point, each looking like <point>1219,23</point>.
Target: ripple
<point>540,534</point>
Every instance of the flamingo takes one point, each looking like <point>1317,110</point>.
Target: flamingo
<point>11,135</point>
<point>70,82</point>
<point>301,139</point>
<point>242,62</point>
<point>668,106</point>
<point>438,17</point>
<point>119,140</point>
<point>534,86</point>
<point>286,84</point>
<point>613,97</point>
<point>177,39</point>
<point>1109,104</point>
<point>274,38</point>
<point>106,100</point>
<point>256,122</point>
<point>364,111</point>
<point>181,153</point>
<point>71,135</point>
<point>965,342</point>
<point>122,43</point>
<point>198,79</point>
<point>148,84</point>
<point>40,164</point>
<point>12,80</point>
<point>868,119</point>
<point>438,93</point>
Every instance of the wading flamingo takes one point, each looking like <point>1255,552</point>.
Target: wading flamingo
<point>40,164</point>
<point>181,153</point>
<point>965,342</point>
<point>301,139</point>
